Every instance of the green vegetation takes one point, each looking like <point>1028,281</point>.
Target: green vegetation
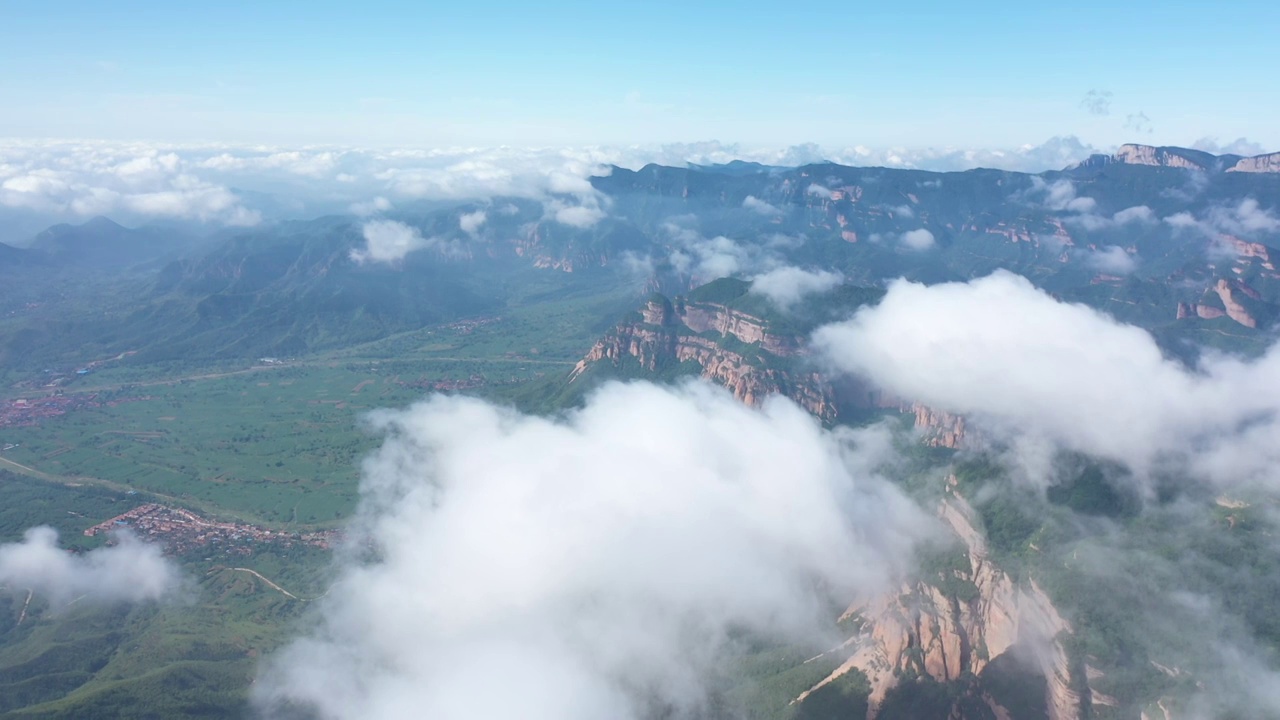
<point>185,414</point>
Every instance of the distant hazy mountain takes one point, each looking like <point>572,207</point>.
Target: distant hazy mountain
<point>1135,234</point>
<point>12,257</point>
<point>103,243</point>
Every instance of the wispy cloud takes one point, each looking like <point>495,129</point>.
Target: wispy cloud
<point>129,571</point>
<point>1097,102</point>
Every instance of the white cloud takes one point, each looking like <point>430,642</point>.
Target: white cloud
<point>241,185</point>
<point>1244,219</point>
<point>128,571</point>
<point>919,239</point>
<point>579,216</point>
<point>1239,146</point>
<point>1182,220</point>
<point>819,190</point>
<point>786,286</point>
<point>1026,366</point>
<point>74,181</point>
<point>134,182</point>
<point>1060,195</point>
<point>472,221</point>
<point>596,564</point>
<point>371,207</point>
<point>1136,214</point>
<point>388,241</point>
<point>757,205</point>
<point>1247,218</point>
<point>704,259</point>
<point>1112,260</point>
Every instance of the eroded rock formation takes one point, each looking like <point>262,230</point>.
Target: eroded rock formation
<point>922,630</point>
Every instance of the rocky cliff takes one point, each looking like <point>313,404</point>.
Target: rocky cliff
<point>1229,298</point>
<point>952,628</point>
<point>667,335</point>
<point>741,352</point>
<point>938,428</point>
<point>1185,158</point>
<point>1269,163</point>
<point>1175,157</point>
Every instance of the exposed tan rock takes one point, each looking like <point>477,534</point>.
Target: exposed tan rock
<point>939,428</point>
<point>1226,291</point>
<point>1134,154</point>
<point>1246,249</point>
<point>1205,312</point>
<point>749,329</point>
<point>1258,164</point>
<point>918,628</point>
<point>657,339</point>
<point>1014,234</point>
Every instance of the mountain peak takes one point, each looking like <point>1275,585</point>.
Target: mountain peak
<point>102,222</point>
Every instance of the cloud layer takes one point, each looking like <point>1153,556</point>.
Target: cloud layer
<point>595,565</point>
<point>1027,366</point>
<point>243,185</point>
<point>129,571</point>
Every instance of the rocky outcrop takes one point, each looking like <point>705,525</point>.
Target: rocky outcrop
<point>1206,312</point>
<point>670,335</point>
<point>1258,164</point>
<point>1185,158</point>
<point>1246,249</point>
<point>1226,291</point>
<point>1134,154</point>
<point>938,427</point>
<point>1230,296</point>
<point>747,328</point>
<point>922,630</point>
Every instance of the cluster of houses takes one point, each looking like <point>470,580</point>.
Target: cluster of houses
<point>181,531</point>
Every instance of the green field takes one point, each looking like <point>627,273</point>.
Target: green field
<point>280,445</point>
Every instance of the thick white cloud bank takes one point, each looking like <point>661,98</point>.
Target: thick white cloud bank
<point>1028,367</point>
<point>595,565</point>
<point>129,571</point>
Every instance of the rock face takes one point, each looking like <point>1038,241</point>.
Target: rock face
<point>1230,296</point>
<point>1185,158</point>
<point>938,427</point>
<point>920,630</point>
<point>1134,154</point>
<point>1226,291</point>
<point>1258,164</point>
<point>667,335</point>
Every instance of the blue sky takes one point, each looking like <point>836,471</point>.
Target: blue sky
<point>977,74</point>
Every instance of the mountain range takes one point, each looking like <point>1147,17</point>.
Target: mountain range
<point>726,271</point>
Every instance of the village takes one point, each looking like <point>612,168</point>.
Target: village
<point>24,412</point>
<point>29,412</point>
<point>182,531</point>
